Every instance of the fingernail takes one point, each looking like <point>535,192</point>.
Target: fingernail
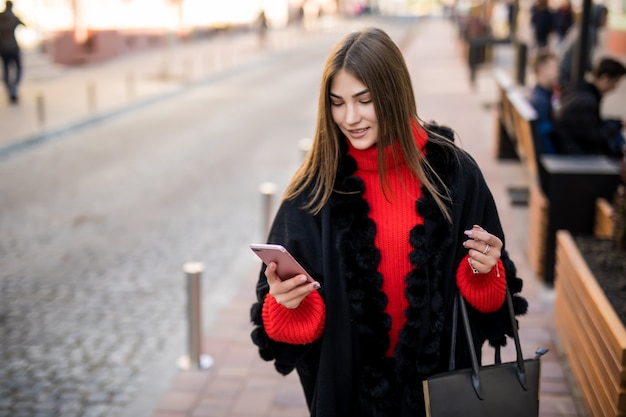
<point>464,243</point>
<point>317,285</point>
<point>468,232</point>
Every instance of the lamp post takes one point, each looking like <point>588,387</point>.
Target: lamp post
<point>583,47</point>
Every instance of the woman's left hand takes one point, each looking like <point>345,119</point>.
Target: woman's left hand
<point>484,249</point>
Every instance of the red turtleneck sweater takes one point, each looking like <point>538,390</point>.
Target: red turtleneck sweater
<point>395,215</point>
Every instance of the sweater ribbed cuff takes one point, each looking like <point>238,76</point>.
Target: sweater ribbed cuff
<point>297,326</point>
<point>484,292</point>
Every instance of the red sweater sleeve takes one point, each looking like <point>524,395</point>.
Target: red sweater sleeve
<point>484,292</point>
<point>297,326</point>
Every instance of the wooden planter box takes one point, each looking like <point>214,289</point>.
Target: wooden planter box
<point>591,333</point>
<point>537,229</point>
<point>604,223</point>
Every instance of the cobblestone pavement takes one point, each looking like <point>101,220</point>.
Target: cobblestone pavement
<point>95,227</point>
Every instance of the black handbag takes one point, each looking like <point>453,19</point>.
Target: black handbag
<point>503,389</point>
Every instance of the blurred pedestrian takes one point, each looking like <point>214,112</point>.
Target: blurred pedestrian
<point>391,219</point>
<point>10,51</point>
<point>599,15</point>
<point>512,8</point>
<point>580,128</point>
<point>541,20</point>
<point>263,27</point>
<point>563,19</point>
<point>544,97</point>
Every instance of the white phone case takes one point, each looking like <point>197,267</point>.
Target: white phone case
<point>286,266</point>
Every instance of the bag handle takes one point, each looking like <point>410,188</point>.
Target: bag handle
<point>459,304</point>
<point>455,319</point>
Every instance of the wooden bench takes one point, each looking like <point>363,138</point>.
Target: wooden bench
<point>537,229</point>
<point>516,139</point>
<point>591,334</point>
<point>524,118</point>
<point>604,224</point>
<point>524,125</point>
<point>562,188</point>
<point>515,134</point>
<point>504,129</point>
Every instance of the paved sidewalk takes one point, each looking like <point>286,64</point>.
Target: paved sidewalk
<point>240,384</point>
<point>54,98</point>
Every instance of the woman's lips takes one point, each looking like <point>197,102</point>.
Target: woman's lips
<point>358,133</point>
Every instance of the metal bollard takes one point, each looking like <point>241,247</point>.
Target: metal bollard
<point>164,74</point>
<point>219,60</point>
<point>91,97</point>
<point>41,111</point>
<point>130,86</point>
<point>195,359</point>
<point>187,69</point>
<point>304,145</point>
<point>213,62</point>
<point>268,190</point>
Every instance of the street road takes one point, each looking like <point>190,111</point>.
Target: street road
<point>95,227</point>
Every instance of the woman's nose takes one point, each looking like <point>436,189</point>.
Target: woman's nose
<point>352,115</point>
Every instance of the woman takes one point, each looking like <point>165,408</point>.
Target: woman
<point>542,22</point>
<point>563,19</point>
<point>384,214</point>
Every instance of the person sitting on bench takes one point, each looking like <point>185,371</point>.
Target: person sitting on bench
<point>544,96</point>
<point>580,128</point>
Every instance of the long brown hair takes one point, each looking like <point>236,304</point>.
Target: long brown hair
<point>374,59</point>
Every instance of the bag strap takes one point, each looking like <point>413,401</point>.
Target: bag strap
<point>497,356</point>
<point>459,305</point>
<point>521,370</point>
<point>455,319</point>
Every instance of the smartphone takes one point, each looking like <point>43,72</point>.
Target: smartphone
<point>286,265</point>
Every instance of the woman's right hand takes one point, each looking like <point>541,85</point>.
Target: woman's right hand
<point>289,292</point>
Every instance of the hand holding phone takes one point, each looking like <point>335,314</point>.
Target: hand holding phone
<point>286,265</point>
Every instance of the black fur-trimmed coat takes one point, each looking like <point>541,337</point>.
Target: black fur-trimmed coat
<point>346,372</point>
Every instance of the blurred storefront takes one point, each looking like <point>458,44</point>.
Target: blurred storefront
<point>84,31</point>
<point>616,28</point>
<point>410,7</point>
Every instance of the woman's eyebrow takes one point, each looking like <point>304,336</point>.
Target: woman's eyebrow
<point>360,93</point>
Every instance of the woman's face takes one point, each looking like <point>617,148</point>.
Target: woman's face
<point>353,110</point>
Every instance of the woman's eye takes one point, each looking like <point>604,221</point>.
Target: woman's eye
<point>336,103</point>
<point>368,101</point>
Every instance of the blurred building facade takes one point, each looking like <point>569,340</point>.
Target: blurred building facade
<point>616,30</point>
<point>85,31</point>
